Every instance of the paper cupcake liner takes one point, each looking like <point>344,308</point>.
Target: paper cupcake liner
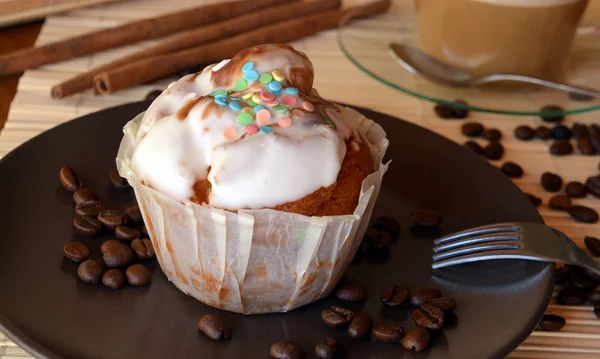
<point>254,261</point>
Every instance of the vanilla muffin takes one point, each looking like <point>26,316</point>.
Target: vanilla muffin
<point>255,191</point>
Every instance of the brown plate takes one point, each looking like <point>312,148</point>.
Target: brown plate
<point>48,311</point>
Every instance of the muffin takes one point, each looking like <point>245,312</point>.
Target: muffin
<point>255,191</point>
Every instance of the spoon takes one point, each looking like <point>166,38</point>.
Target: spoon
<point>419,63</point>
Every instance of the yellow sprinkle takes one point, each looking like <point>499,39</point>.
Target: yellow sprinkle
<point>256,98</point>
<point>278,75</point>
<point>248,95</point>
<point>249,110</point>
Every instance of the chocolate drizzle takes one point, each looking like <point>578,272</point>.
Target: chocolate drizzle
<point>184,111</point>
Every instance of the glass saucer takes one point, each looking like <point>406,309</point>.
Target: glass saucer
<point>365,43</point>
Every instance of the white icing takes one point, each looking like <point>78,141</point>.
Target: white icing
<point>246,171</point>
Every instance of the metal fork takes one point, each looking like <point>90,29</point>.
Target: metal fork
<point>531,241</point>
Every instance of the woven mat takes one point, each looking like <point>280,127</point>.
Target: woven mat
<point>33,112</point>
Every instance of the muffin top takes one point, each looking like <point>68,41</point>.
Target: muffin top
<point>247,133</point>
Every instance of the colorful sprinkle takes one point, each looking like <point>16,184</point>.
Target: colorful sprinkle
<point>297,113</point>
<point>285,122</point>
<point>266,129</point>
<point>236,95</point>
<point>234,98</point>
<point>229,132</point>
<point>280,108</point>
<point>248,66</point>
<point>256,98</point>
<point>263,116</point>
<point>248,96</point>
<point>241,84</point>
<point>245,118</point>
<point>250,129</point>
<point>288,100</point>
<point>265,78</point>
<point>236,106</point>
<point>248,110</point>
<point>272,103</point>
<point>275,86</point>
<point>278,75</point>
<point>266,96</point>
<point>218,92</point>
<point>251,103</point>
<point>331,123</point>
<point>308,106</point>
<point>221,101</point>
<point>291,90</point>
<point>251,75</point>
<point>221,95</point>
<point>255,88</point>
<point>259,107</point>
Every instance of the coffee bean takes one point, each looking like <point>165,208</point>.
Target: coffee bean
<point>561,148</point>
<point>584,146</point>
<point>548,117</point>
<point>69,179</point>
<point>571,296</point>
<point>117,256</point>
<point>90,271</point>
<point>88,226</point>
<point>351,292</point>
<point>594,128</point>
<point>561,202</point>
<point>562,274</point>
<point>337,316</point>
<point>594,296</point>
<point>580,131</point>
<point>579,281</point>
<point>360,326</point>
<point>125,233</point>
<point>84,195</point>
<point>138,275</point>
<point>134,214</point>
<point>512,170</point>
<point>112,218</point>
<point>561,132</point>
<point>576,190</point>
<point>426,218</point>
<point>90,208</point>
<point>593,245</point>
<point>377,239</point>
<point>524,133</point>
<point>76,251</point>
<point>595,141</point>
<point>394,296</point>
<point>593,276</point>
<point>474,146</point>
<point>286,350</point>
<point>214,327</point>
<point>109,243</point>
<point>429,316</point>
<point>593,185</point>
<point>444,112</point>
<point>387,333</point>
<point>461,113</point>
<point>152,95</point>
<point>444,303</point>
<point>583,214</point>
<point>552,323</point>
<point>387,224</point>
<point>493,151</point>
<point>472,129</point>
<point>113,279</point>
<point>597,310</point>
<point>116,180</point>
<point>492,134</point>
<point>143,248</point>
<point>420,296</point>
<point>535,200</point>
<point>551,182</point>
<point>543,133</point>
<point>416,339</point>
<point>331,349</point>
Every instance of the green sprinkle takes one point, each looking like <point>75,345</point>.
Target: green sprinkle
<point>251,103</point>
<point>280,108</point>
<point>245,119</point>
<point>265,78</point>
<point>218,92</point>
<point>241,84</point>
<point>330,123</point>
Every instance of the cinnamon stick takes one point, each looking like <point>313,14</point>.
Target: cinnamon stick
<point>19,61</point>
<point>158,66</point>
<point>197,37</point>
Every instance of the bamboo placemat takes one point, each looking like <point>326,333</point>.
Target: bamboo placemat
<point>33,112</point>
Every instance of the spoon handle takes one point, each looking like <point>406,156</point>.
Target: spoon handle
<point>535,81</point>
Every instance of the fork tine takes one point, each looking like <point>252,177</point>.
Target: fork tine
<point>476,257</point>
<point>476,248</point>
<point>502,236</point>
<point>492,228</point>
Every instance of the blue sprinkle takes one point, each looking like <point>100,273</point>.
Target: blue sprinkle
<point>236,106</point>
<point>221,101</point>
<point>266,129</point>
<point>276,93</point>
<point>275,85</point>
<point>291,90</point>
<point>223,96</point>
<point>251,75</point>
<point>235,99</point>
<point>259,107</point>
<point>248,66</point>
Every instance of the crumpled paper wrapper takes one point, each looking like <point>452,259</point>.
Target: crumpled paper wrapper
<point>254,261</point>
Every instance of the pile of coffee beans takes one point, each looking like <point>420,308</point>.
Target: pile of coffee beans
<point>118,256</point>
<point>580,286</point>
<point>553,183</point>
<point>493,150</point>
